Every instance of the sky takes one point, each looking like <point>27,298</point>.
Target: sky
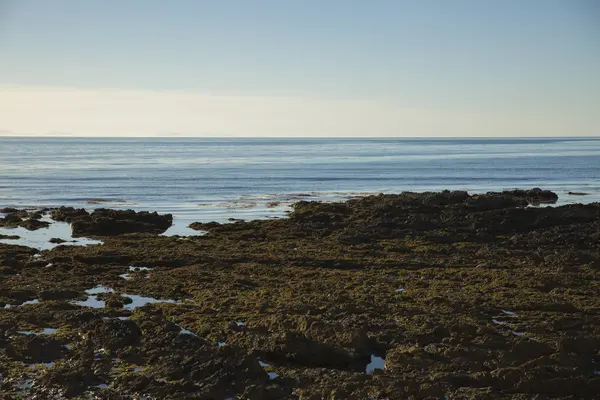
<point>324,68</point>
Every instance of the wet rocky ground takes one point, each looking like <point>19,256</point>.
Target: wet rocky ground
<point>409,296</point>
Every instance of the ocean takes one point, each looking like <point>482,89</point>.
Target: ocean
<point>205,179</point>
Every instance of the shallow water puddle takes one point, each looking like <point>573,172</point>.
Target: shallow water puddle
<point>39,238</point>
<point>132,268</point>
<point>140,301</point>
<point>221,344</point>
<point>181,228</point>
<point>184,331</point>
<point>101,386</point>
<point>136,301</point>
<point>36,301</point>
<point>400,290</point>
<point>376,363</point>
<point>45,331</point>
<point>99,290</point>
<point>272,375</point>
<point>512,314</point>
<point>91,302</point>
<point>240,323</point>
<point>498,322</point>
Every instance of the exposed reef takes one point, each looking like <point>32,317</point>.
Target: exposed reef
<point>107,222</point>
<point>408,296</point>
<point>29,220</point>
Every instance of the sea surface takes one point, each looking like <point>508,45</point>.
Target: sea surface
<point>203,179</point>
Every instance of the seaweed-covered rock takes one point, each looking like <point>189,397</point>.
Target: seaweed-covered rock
<point>533,196</point>
<point>23,218</point>
<point>107,222</point>
<point>414,295</point>
<point>33,224</point>
<point>67,214</point>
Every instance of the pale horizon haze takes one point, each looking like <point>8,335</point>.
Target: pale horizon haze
<point>311,68</point>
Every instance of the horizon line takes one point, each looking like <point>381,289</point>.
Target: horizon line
<point>59,136</point>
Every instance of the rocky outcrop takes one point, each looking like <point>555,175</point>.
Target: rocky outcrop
<point>107,222</point>
<point>68,214</point>
<point>22,218</point>
<point>420,296</point>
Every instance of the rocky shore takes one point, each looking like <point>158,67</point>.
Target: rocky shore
<point>410,296</point>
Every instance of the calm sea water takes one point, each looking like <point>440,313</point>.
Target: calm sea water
<point>214,179</point>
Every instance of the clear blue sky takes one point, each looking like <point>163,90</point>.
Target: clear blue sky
<point>521,59</point>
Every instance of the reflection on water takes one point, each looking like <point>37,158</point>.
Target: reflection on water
<point>136,301</point>
<point>45,331</point>
<point>140,301</point>
<point>376,363</point>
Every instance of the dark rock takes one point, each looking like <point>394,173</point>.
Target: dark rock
<point>12,218</point>
<point>580,345</point>
<point>67,214</point>
<point>534,196</point>
<point>295,348</point>
<point>577,193</point>
<point>113,334</point>
<point>35,348</point>
<point>202,226</point>
<point>58,294</point>
<point>106,222</point>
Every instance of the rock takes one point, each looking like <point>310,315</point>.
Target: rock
<point>297,348</point>
<point>112,334</point>
<point>33,349</point>
<point>68,380</point>
<point>534,196</point>
<point>67,214</point>
<point>12,218</point>
<point>580,345</point>
<point>34,224</point>
<point>58,294</point>
<point>106,222</point>
<point>24,219</point>
<point>319,294</point>
<point>577,193</point>
<point>202,226</point>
